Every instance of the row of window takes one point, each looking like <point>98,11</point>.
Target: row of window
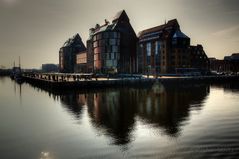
<point>108,49</point>
<point>81,61</point>
<point>149,48</point>
<point>110,63</point>
<point>107,56</point>
<point>106,63</point>
<point>106,42</point>
<point>81,58</point>
<point>106,35</point>
<point>156,60</point>
<point>69,49</point>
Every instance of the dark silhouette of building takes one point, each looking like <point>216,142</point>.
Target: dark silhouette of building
<point>4,72</point>
<point>49,68</point>
<point>166,49</point>
<point>233,62</point>
<point>114,48</point>
<point>199,59</point>
<point>67,54</point>
<point>111,47</point>
<point>230,64</point>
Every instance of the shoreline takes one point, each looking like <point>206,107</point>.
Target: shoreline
<point>125,82</point>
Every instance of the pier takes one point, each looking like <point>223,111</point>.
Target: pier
<point>78,81</point>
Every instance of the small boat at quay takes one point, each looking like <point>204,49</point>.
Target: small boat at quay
<point>16,73</point>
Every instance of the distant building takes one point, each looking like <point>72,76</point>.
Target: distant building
<point>217,65</point>
<point>50,68</point>
<point>166,49</point>
<point>234,62</point>
<point>67,54</point>
<point>111,47</point>
<point>230,64</point>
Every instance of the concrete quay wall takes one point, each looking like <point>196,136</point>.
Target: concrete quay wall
<point>123,82</point>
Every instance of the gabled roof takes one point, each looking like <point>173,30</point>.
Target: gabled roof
<point>121,15</point>
<point>169,25</point>
<point>104,28</point>
<point>72,40</point>
<point>117,15</point>
<point>179,34</point>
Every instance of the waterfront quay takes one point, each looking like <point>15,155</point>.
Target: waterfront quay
<point>5,72</point>
<point>76,81</point>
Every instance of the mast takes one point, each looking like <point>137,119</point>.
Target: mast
<point>19,62</point>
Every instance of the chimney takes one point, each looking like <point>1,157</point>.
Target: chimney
<point>106,22</point>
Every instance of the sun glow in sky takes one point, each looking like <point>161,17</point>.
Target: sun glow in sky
<point>35,30</point>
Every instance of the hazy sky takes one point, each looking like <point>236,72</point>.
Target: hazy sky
<point>36,29</point>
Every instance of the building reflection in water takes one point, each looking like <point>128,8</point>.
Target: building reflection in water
<point>169,108</point>
<point>115,111</point>
<point>74,102</point>
<point>228,87</point>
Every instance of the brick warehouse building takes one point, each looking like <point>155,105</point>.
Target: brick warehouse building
<point>166,49</point>
<point>68,53</point>
<point>111,47</point>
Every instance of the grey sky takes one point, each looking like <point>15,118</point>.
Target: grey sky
<point>36,29</point>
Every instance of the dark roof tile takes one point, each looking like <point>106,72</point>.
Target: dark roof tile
<point>171,23</point>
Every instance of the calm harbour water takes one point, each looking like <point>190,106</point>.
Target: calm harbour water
<point>187,121</point>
